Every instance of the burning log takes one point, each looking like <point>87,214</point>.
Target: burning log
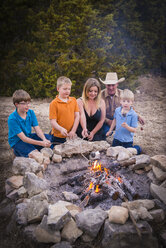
<point>95,197</point>
<point>129,187</point>
<point>110,191</point>
<point>84,203</point>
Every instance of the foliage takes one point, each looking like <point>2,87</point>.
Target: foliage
<point>42,40</point>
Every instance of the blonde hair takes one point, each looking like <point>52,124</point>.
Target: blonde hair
<point>21,95</point>
<point>127,94</point>
<point>63,80</point>
<point>90,83</point>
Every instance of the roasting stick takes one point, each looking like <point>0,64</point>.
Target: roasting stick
<point>132,218</point>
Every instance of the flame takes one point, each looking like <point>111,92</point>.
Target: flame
<point>107,171</point>
<point>90,186</point>
<point>119,179</point>
<point>96,166</point>
<point>97,189</point>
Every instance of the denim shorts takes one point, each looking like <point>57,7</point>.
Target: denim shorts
<point>22,149</point>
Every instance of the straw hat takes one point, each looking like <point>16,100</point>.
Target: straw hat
<point>112,78</point>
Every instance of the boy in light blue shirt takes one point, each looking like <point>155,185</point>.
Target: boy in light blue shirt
<point>20,124</point>
<point>126,122</point>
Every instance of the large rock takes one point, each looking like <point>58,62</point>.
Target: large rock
<point>141,162</point>
<point>22,165</point>
<point>33,184</point>
<point>15,181</point>
<point>158,215</point>
<point>148,204</point>
<point>71,232</point>
<point>37,207</point>
<point>44,234</point>
<point>125,236</point>
<point>159,161</point>
<point>91,220</point>
<point>69,196</point>
<point>118,214</point>
<point>159,174</point>
<point>58,215</point>
<point>158,192</point>
<point>47,152</point>
<point>78,146</point>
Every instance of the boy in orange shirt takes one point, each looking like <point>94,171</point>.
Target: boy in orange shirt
<point>63,112</point>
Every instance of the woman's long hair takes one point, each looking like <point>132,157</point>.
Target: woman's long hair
<point>90,83</point>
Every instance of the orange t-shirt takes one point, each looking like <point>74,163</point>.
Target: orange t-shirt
<point>64,113</point>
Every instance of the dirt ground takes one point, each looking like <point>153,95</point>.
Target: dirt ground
<point>150,103</point>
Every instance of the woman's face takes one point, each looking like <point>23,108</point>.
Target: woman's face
<point>92,93</point>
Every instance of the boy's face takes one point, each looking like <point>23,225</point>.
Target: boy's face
<point>22,106</point>
<point>64,91</point>
<point>126,103</point>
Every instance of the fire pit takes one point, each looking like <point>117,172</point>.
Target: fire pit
<point>101,182</point>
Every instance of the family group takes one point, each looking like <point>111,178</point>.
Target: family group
<point>94,116</point>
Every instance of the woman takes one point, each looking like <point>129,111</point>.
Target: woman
<point>92,111</point>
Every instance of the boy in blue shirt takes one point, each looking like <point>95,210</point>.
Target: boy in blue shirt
<point>20,123</point>
<point>126,122</point>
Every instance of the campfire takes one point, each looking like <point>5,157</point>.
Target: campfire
<point>100,183</point>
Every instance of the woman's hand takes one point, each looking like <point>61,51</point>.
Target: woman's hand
<point>90,136</point>
<point>84,133</point>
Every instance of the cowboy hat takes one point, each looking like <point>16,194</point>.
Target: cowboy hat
<point>112,78</point>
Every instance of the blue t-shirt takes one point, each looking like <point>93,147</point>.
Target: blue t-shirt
<point>17,124</point>
<point>131,118</point>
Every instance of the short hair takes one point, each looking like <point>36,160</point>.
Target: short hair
<point>63,80</point>
<point>90,83</point>
<point>127,94</point>
<point>21,95</point>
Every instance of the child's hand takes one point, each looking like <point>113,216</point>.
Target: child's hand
<point>108,133</point>
<point>71,134</point>
<point>124,124</point>
<point>46,143</point>
<point>64,132</point>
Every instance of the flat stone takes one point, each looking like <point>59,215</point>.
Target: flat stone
<point>71,232</point>
<point>158,215</point>
<point>15,181</point>
<point>159,192</point>
<point>58,216</point>
<point>69,196</point>
<point>90,221</point>
<point>118,214</point>
<point>159,174</point>
<point>44,234</point>
<point>159,161</point>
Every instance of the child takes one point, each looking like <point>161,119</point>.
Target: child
<point>126,121</point>
<point>20,122</point>
<point>64,112</point>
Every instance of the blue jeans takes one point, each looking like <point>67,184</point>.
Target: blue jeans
<point>22,149</point>
<point>58,140</point>
<point>126,145</point>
